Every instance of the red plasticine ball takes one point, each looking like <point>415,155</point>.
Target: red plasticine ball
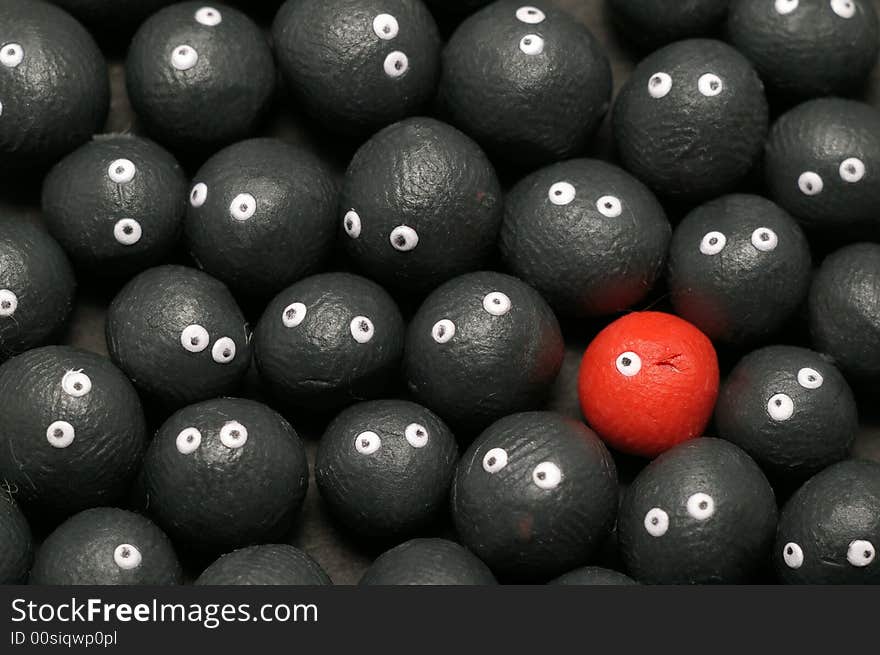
<point>647,382</point>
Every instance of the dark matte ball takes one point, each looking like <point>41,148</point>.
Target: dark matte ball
<point>225,473</point>
<point>844,310</point>
<point>482,346</point>
<point>54,88</point>
<point>73,432</point>
<point>106,546</point>
<point>328,341</point>
<point>262,214</point>
<point>428,562</point>
<point>270,564</point>
<point>535,495</point>
<point>691,120</point>
<point>594,576</point>
<point>112,18</point>
<point>822,164</point>
<point>116,204</point>
<point>528,82</point>
<point>199,77</point>
<point>384,468</point>
<point>829,530</point>
<point>16,543</point>
<point>179,336</point>
<point>739,268</point>
<point>37,287</point>
<point>420,204</point>
<point>587,235</point>
<point>807,48</point>
<point>358,65</point>
<point>700,513</point>
<point>653,23</point>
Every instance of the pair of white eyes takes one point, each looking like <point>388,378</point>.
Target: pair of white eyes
<point>386,27</point>
<point>11,55</point>
<point>564,193</point>
<point>495,303</point>
<point>208,16</point>
<point>368,442</point>
<point>184,57</point>
<point>195,338</point>
<point>859,553</point>
<point>851,170</point>
<point>232,435</point>
<point>531,44</point>
<point>361,328</point>
<point>843,8</point>
<point>403,238</point>
<point>8,303</point>
<point>699,506</point>
<point>660,84</point>
<point>545,475</point>
<point>763,239</point>
<point>242,207</point>
<point>780,407</point>
<point>127,557</point>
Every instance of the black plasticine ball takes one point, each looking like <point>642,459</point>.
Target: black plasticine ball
<point>73,431</point>
<point>428,562</point>
<point>225,473</point>
<point>739,268</point>
<point>112,19</point>
<point>482,346</point>
<point>358,65</point>
<point>106,546</point>
<point>420,204</point>
<point>16,542</point>
<point>592,576</point>
<point>653,23</point>
<point>116,204</point>
<point>790,409</point>
<point>535,495</point>
<point>179,335</point>
<point>54,88</point>
<point>822,164</point>
<point>328,341</point>
<point>199,77</point>
<point>691,120</point>
<point>700,513</point>
<point>829,530</point>
<point>807,48</point>
<point>528,82</point>
<point>587,235</point>
<point>844,310</point>
<point>269,564</point>
<point>384,468</point>
<point>262,214</point>
<point>37,287</point>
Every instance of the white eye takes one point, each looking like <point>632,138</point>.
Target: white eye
<point>701,506</point>
<point>362,329</point>
<point>609,206</point>
<point>416,435</point>
<point>11,55</point>
<point>184,57</point>
<point>293,314</point>
<point>713,243</point>
<point>852,170</point>
<point>765,239</point>
<point>497,303</point>
<point>530,15</point>
<point>8,303</point>
<point>860,553</point>
<point>385,26</point>
<point>198,195</point>
<point>780,407</point>
<point>233,434</point>
<point>546,475</point>
<point>561,193</point>
<point>1,108</point>
<point>127,557</point>
<point>243,206</point>
<point>494,460</point>
<point>810,378</point>
<point>194,338</point>
<point>352,224</point>
<point>121,171</point>
<point>443,330</point>
<point>786,6</point>
<point>76,384</point>
<point>659,85</point>
<point>396,64</point>
<point>629,363</point>
<point>656,522</point>
<point>532,44</point>
<point>188,441</point>
<point>223,351</point>
<point>208,16</point>
<point>127,231</point>
<point>404,238</point>
<point>60,434</point>
<point>844,8</point>
<point>710,85</point>
<point>367,443</point>
<point>810,184</point>
<point>793,555</point>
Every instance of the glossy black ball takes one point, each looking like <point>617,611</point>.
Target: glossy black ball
<point>269,564</point>
<point>653,23</point>
<point>593,576</point>
<point>16,542</point>
<point>428,562</point>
